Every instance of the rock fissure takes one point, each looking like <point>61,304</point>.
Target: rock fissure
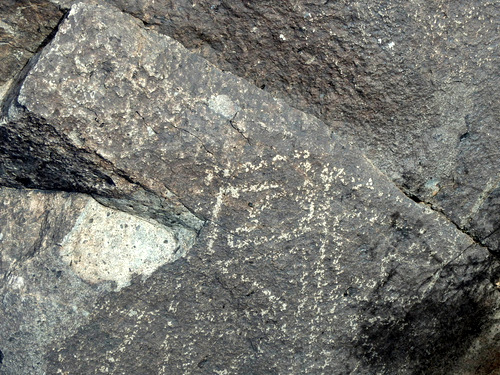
<point>235,127</point>
<point>147,191</point>
<point>203,145</point>
<point>473,238</point>
<point>97,166</point>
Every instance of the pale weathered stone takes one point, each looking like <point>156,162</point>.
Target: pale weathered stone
<point>42,299</point>
<point>106,244</point>
<point>307,258</point>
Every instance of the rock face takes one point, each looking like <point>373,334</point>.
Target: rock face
<point>24,25</point>
<point>414,84</point>
<point>55,263</point>
<point>47,274</point>
<point>60,252</point>
<point>276,246</point>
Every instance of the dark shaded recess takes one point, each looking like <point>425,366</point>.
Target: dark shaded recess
<point>29,156</point>
<point>1,357</point>
<point>453,328</point>
<point>20,75</point>
<point>434,334</point>
<point>52,34</point>
<point>29,161</point>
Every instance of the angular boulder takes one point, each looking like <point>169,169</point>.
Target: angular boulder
<point>24,26</point>
<point>305,258</point>
<point>414,84</point>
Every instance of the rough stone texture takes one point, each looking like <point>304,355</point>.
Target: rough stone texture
<point>54,264</point>
<point>42,300</point>
<point>106,244</point>
<point>414,84</point>
<point>24,25</point>
<point>483,357</point>
<point>307,258</point>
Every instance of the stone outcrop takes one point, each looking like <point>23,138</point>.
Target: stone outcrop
<point>25,25</point>
<point>210,228</point>
<point>60,252</point>
<point>414,84</point>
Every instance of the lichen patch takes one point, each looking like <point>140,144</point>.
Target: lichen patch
<point>223,105</point>
<point>110,245</point>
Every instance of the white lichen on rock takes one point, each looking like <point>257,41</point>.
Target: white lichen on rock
<point>223,105</point>
<point>110,245</point>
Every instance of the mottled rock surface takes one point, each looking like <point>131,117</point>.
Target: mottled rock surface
<point>414,84</point>
<point>24,25</point>
<point>307,259</point>
<point>59,252</point>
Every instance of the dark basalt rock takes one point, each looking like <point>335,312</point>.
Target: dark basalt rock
<point>414,84</point>
<point>307,259</point>
<point>24,27</point>
<point>60,253</point>
<point>41,301</point>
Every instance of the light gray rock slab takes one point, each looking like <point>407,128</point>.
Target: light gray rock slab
<point>307,258</point>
